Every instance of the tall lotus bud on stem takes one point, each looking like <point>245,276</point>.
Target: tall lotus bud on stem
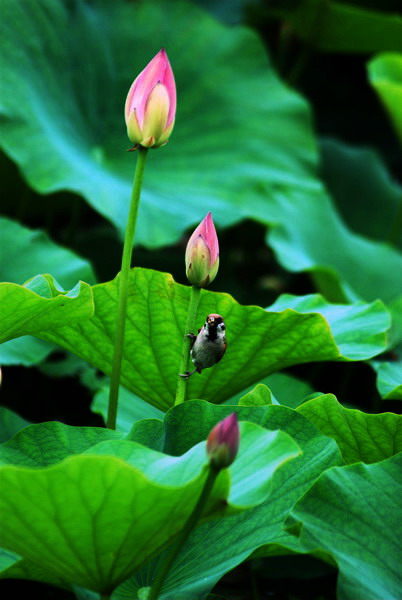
<point>202,254</point>
<point>223,442</point>
<point>151,104</point>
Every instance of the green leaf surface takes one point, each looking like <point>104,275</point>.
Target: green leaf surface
<point>48,443</point>
<point>343,27</point>
<point>40,304</point>
<point>366,194</point>
<point>259,342</point>
<point>353,513</point>
<point>131,408</point>
<point>288,390</point>
<point>385,75</point>
<point>94,518</point>
<point>342,320</point>
<point>26,351</point>
<point>389,365</point>
<point>10,423</point>
<point>344,266</point>
<point>209,162</point>
<point>259,396</point>
<point>389,377</point>
<point>12,566</point>
<point>360,436</point>
<point>197,568</point>
<point>260,162</point>
<point>26,252</point>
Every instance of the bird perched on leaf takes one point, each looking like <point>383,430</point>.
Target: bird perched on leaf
<point>208,347</point>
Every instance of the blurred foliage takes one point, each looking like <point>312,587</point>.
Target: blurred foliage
<point>289,131</point>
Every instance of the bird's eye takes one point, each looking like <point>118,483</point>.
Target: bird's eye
<point>222,326</point>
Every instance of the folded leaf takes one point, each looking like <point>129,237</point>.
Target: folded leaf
<point>94,518</point>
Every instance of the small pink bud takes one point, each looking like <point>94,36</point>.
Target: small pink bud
<point>202,254</point>
<point>223,442</point>
<point>151,104</point>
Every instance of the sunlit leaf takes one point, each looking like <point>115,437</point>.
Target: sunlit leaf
<point>92,519</point>
<point>385,75</point>
<point>360,436</point>
<point>260,341</point>
<point>40,304</point>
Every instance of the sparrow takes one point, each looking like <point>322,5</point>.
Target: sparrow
<point>208,347</point>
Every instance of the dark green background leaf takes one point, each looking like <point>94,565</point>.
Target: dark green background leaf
<point>344,27</point>
<point>82,147</point>
<point>27,253</point>
<point>365,193</point>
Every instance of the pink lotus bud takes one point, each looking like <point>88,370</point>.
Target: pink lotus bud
<point>223,442</point>
<point>202,254</point>
<point>151,104</point>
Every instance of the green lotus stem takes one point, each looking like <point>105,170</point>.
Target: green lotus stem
<point>184,533</point>
<point>185,352</point>
<point>123,289</point>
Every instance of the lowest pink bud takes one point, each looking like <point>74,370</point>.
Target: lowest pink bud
<point>151,104</point>
<point>202,254</point>
<point>223,442</point>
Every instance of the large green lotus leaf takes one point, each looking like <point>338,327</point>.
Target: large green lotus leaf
<point>40,304</point>
<point>360,436</point>
<point>217,547</point>
<point>40,445</point>
<point>342,27</point>
<point>364,191</point>
<point>259,342</point>
<point>353,513</point>
<point>385,75</point>
<point>26,252</point>
<point>237,125</point>
<point>93,519</point>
